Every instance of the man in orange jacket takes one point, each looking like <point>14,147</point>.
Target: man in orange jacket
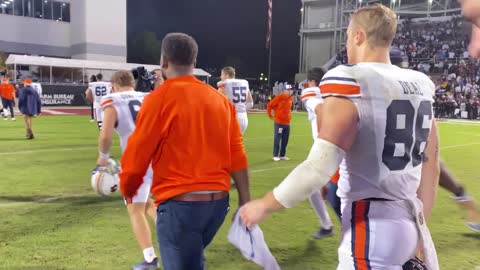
<point>190,135</point>
<point>8,98</point>
<point>281,105</point>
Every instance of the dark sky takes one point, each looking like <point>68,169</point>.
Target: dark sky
<point>227,31</point>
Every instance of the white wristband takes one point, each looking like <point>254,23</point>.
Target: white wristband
<point>105,156</point>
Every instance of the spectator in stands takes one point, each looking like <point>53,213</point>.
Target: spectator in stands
<point>8,98</point>
<point>30,105</point>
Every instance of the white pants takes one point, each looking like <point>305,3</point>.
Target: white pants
<point>377,235</point>
<point>98,113</point>
<point>143,193</point>
<point>242,121</point>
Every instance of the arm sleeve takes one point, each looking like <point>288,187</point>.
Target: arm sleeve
<point>339,82</point>
<point>237,149</point>
<point>271,105</point>
<point>141,146</point>
<point>107,101</point>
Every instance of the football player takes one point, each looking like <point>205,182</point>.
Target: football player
<point>377,122</point>
<point>120,111</point>
<point>238,91</point>
<point>311,98</point>
<point>96,91</point>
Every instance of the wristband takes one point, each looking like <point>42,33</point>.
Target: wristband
<point>105,156</point>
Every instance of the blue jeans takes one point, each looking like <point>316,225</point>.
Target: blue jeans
<point>334,200</point>
<point>8,104</point>
<point>281,134</point>
<point>184,230</point>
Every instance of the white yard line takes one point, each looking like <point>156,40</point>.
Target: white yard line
<point>47,150</point>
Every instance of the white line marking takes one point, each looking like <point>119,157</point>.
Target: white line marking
<point>458,145</point>
<point>47,150</point>
<point>272,169</point>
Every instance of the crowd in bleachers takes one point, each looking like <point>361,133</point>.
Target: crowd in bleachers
<point>439,48</point>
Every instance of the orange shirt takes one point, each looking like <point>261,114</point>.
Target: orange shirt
<point>336,177</point>
<point>7,91</point>
<point>282,106</point>
<point>189,132</point>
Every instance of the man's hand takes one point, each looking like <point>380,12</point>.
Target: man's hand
<point>253,212</point>
<point>101,162</point>
<point>256,211</point>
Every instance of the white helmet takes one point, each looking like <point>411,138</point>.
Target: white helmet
<point>105,180</point>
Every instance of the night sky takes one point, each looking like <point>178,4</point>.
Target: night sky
<point>227,31</point>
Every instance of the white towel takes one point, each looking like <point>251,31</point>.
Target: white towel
<point>431,260</point>
<point>252,244</point>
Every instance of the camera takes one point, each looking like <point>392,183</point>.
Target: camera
<point>145,79</point>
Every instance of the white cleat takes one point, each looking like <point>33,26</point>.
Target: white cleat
<point>474,226</point>
<point>284,158</point>
<point>276,159</point>
<point>14,119</point>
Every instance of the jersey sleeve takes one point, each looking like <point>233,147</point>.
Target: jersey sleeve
<point>309,93</point>
<point>340,82</point>
<point>107,101</point>
<point>221,85</point>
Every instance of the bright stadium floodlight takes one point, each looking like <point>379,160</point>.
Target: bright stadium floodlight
<point>301,10</point>
<point>430,2</point>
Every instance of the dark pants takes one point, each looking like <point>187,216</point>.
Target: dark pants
<point>280,141</point>
<point>185,229</point>
<point>8,104</point>
<point>91,111</point>
<point>334,200</point>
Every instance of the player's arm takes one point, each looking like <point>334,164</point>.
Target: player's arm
<point>336,136</point>
<point>249,103</point>
<point>427,191</point>
<point>221,88</point>
<point>89,94</point>
<point>106,134</point>
<point>151,128</point>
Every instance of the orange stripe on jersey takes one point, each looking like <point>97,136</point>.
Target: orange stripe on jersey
<point>360,235</point>
<point>106,102</point>
<point>336,177</point>
<point>339,89</point>
<point>308,95</point>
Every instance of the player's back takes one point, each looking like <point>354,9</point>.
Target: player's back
<point>100,90</point>
<point>127,105</point>
<point>237,91</point>
<point>395,118</point>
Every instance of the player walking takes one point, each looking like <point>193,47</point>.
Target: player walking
<point>238,91</point>
<point>96,91</point>
<point>119,113</point>
<point>377,121</point>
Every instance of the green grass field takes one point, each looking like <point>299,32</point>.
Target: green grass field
<point>50,218</point>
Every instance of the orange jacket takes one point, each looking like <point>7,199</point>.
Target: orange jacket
<point>190,134</point>
<point>282,106</point>
<point>7,91</point>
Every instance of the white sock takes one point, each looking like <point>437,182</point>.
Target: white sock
<point>321,210</point>
<point>149,254</point>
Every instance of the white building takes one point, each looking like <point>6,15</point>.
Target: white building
<point>79,29</point>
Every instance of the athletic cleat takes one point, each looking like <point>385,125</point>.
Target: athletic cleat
<point>323,233</point>
<point>284,158</point>
<point>93,120</point>
<point>147,266</point>
<point>276,159</point>
<point>5,119</point>
<point>462,198</point>
<point>474,226</point>
<point>13,119</point>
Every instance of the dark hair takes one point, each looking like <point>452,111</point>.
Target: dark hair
<point>99,76</point>
<point>315,74</point>
<point>180,49</point>
<point>230,71</point>
<point>93,78</point>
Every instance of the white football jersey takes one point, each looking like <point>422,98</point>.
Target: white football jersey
<point>311,98</point>
<point>237,91</point>
<point>38,88</point>
<point>127,105</point>
<point>99,90</point>
<point>395,117</point>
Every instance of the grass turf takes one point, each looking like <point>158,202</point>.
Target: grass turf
<point>50,218</point>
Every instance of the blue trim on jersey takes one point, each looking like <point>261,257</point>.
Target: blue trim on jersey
<point>338,79</point>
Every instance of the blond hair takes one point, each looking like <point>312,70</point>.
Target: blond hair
<point>229,71</point>
<point>379,23</point>
<point>123,78</point>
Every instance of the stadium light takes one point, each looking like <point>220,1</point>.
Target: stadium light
<point>301,10</point>
<point>393,1</point>
<point>430,2</point>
